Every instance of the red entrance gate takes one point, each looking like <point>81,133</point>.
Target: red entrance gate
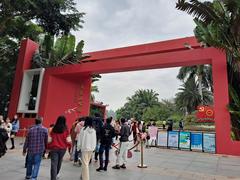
<point>68,87</point>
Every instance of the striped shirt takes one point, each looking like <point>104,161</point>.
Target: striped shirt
<point>36,140</point>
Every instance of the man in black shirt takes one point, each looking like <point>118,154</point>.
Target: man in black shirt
<point>107,133</point>
<point>122,156</point>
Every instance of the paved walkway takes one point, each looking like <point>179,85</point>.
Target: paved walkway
<point>163,164</point>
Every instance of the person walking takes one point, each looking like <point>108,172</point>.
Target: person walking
<point>97,124</point>
<point>2,121</point>
<point>35,144</point>
<point>152,131</point>
<point>3,139</point>
<point>106,136</point>
<point>15,128</point>
<point>122,156</point>
<point>117,128</point>
<point>78,128</point>
<point>73,135</point>
<point>86,143</point>
<point>135,132</point>
<point>180,125</point>
<point>60,140</point>
<point>8,126</point>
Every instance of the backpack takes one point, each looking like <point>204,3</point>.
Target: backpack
<point>3,135</point>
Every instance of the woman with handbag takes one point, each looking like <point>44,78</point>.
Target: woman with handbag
<point>59,140</point>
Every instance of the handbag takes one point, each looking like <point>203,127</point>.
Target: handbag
<point>68,139</point>
<point>12,136</point>
<point>49,139</point>
<point>129,154</point>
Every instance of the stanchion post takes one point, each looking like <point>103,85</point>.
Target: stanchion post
<point>141,165</point>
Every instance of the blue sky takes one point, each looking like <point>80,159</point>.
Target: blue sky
<point>111,24</point>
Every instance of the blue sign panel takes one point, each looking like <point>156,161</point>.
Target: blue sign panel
<point>209,143</point>
<point>196,141</point>
<point>173,139</point>
<point>162,138</point>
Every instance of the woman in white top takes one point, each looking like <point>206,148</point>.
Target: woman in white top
<point>8,126</point>
<point>86,143</point>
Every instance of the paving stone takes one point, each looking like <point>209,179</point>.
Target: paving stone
<point>163,164</point>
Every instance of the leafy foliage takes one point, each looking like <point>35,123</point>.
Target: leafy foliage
<point>189,98</point>
<point>55,16</point>
<point>218,25</point>
<point>195,72</point>
<point>27,19</point>
<point>61,52</point>
<point>138,103</point>
<point>144,105</point>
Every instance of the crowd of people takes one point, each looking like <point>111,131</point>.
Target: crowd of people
<point>8,130</point>
<point>87,136</point>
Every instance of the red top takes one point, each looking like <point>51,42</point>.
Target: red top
<point>59,140</point>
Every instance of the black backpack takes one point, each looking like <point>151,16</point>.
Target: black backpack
<point>3,135</point>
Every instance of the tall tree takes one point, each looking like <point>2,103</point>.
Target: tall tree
<point>201,73</point>
<point>138,103</point>
<point>188,97</point>
<point>53,16</point>
<point>218,25</point>
<point>27,19</point>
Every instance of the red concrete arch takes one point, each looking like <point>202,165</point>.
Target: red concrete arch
<point>69,86</point>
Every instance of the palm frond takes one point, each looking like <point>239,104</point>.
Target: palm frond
<point>198,9</point>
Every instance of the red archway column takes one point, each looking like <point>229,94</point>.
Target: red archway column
<point>24,62</point>
<point>224,143</point>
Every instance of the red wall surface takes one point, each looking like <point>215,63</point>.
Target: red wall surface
<point>69,86</point>
<point>64,96</point>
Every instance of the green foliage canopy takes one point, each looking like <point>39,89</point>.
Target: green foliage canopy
<point>27,19</point>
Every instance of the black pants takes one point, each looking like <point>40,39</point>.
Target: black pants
<point>103,148</point>
<point>96,150</point>
<point>56,162</point>
<point>12,135</point>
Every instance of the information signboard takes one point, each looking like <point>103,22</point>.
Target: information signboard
<point>162,138</point>
<point>209,144</point>
<point>173,139</point>
<point>196,141</point>
<point>184,140</point>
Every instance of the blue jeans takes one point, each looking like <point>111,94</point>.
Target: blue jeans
<point>103,148</point>
<point>33,164</point>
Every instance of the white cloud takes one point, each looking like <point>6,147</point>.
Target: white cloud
<point>111,24</point>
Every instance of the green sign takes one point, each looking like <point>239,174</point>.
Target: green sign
<point>184,140</point>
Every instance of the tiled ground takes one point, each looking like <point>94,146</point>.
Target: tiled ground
<point>163,164</point>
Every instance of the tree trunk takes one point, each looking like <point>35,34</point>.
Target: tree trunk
<point>200,88</point>
<point>200,76</point>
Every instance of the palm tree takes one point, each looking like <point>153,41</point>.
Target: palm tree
<point>138,103</point>
<point>189,98</point>
<point>202,73</point>
<point>144,98</point>
<point>218,25</point>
